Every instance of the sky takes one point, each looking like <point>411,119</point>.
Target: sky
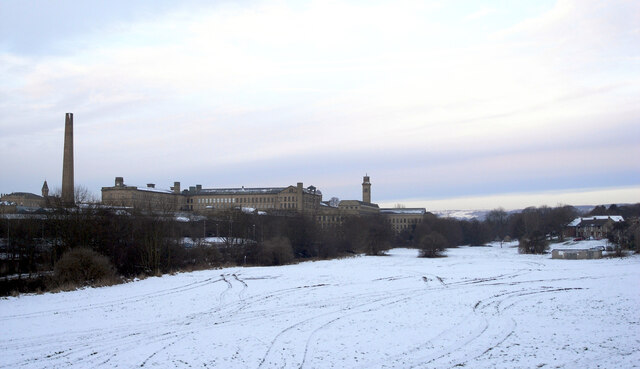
<point>444,104</point>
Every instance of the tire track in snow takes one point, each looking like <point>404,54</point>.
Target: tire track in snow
<point>298,326</point>
<point>491,323</point>
<point>99,349</point>
<point>127,300</point>
<point>181,335</point>
<point>113,338</point>
<point>317,323</point>
<point>225,310</point>
<point>452,332</point>
<point>417,293</point>
<point>518,298</point>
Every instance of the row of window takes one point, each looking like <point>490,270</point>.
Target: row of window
<point>333,218</point>
<point>233,200</point>
<point>401,226</point>
<point>265,206</point>
<point>329,218</point>
<point>405,220</point>
<point>227,204</point>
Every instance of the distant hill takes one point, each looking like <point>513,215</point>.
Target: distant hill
<point>481,214</point>
<point>462,214</point>
<point>583,209</point>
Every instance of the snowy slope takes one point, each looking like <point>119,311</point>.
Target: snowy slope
<point>481,307</point>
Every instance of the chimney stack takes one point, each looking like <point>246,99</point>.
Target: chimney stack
<point>176,187</point>
<point>300,197</point>
<point>67,162</point>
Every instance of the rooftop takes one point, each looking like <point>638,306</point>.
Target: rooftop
<point>370,204</point>
<point>242,191</point>
<point>252,191</point>
<point>26,195</point>
<point>597,218</point>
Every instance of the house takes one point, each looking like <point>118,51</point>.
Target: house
<point>594,227</point>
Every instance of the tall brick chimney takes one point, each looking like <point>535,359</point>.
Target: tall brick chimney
<point>67,162</point>
<point>300,196</point>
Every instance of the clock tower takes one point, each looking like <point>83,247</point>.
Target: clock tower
<point>366,189</point>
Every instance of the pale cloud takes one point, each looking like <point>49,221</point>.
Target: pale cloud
<point>511,201</point>
<point>234,85</point>
<point>482,13</point>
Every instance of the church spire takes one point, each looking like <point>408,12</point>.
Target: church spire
<point>45,189</point>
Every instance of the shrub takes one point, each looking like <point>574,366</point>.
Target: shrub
<point>534,243</point>
<point>83,267</point>
<point>275,251</point>
<point>432,245</point>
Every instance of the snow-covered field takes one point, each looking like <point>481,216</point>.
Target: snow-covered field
<point>483,307</point>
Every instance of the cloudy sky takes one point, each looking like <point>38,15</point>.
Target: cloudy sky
<point>445,104</point>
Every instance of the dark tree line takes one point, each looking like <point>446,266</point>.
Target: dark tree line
<point>627,211</point>
<point>534,227</point>
<point>143,243</point>
<point>137,243</point>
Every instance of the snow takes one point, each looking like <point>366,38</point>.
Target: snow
<point>153,189</point>
<point>249,210</point>
<point>211,241</point>
<point>403,211</point>
<point>575,222</point>
<point>615,218</point>
<point>462,214</point>
<point>579,245</point>
<point>480,307</point>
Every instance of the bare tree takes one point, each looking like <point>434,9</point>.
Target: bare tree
<point>275,251</point>
<point>533,243</point>
<point>432,245</point>
<point>497,219</point>
<point>82,195</point>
